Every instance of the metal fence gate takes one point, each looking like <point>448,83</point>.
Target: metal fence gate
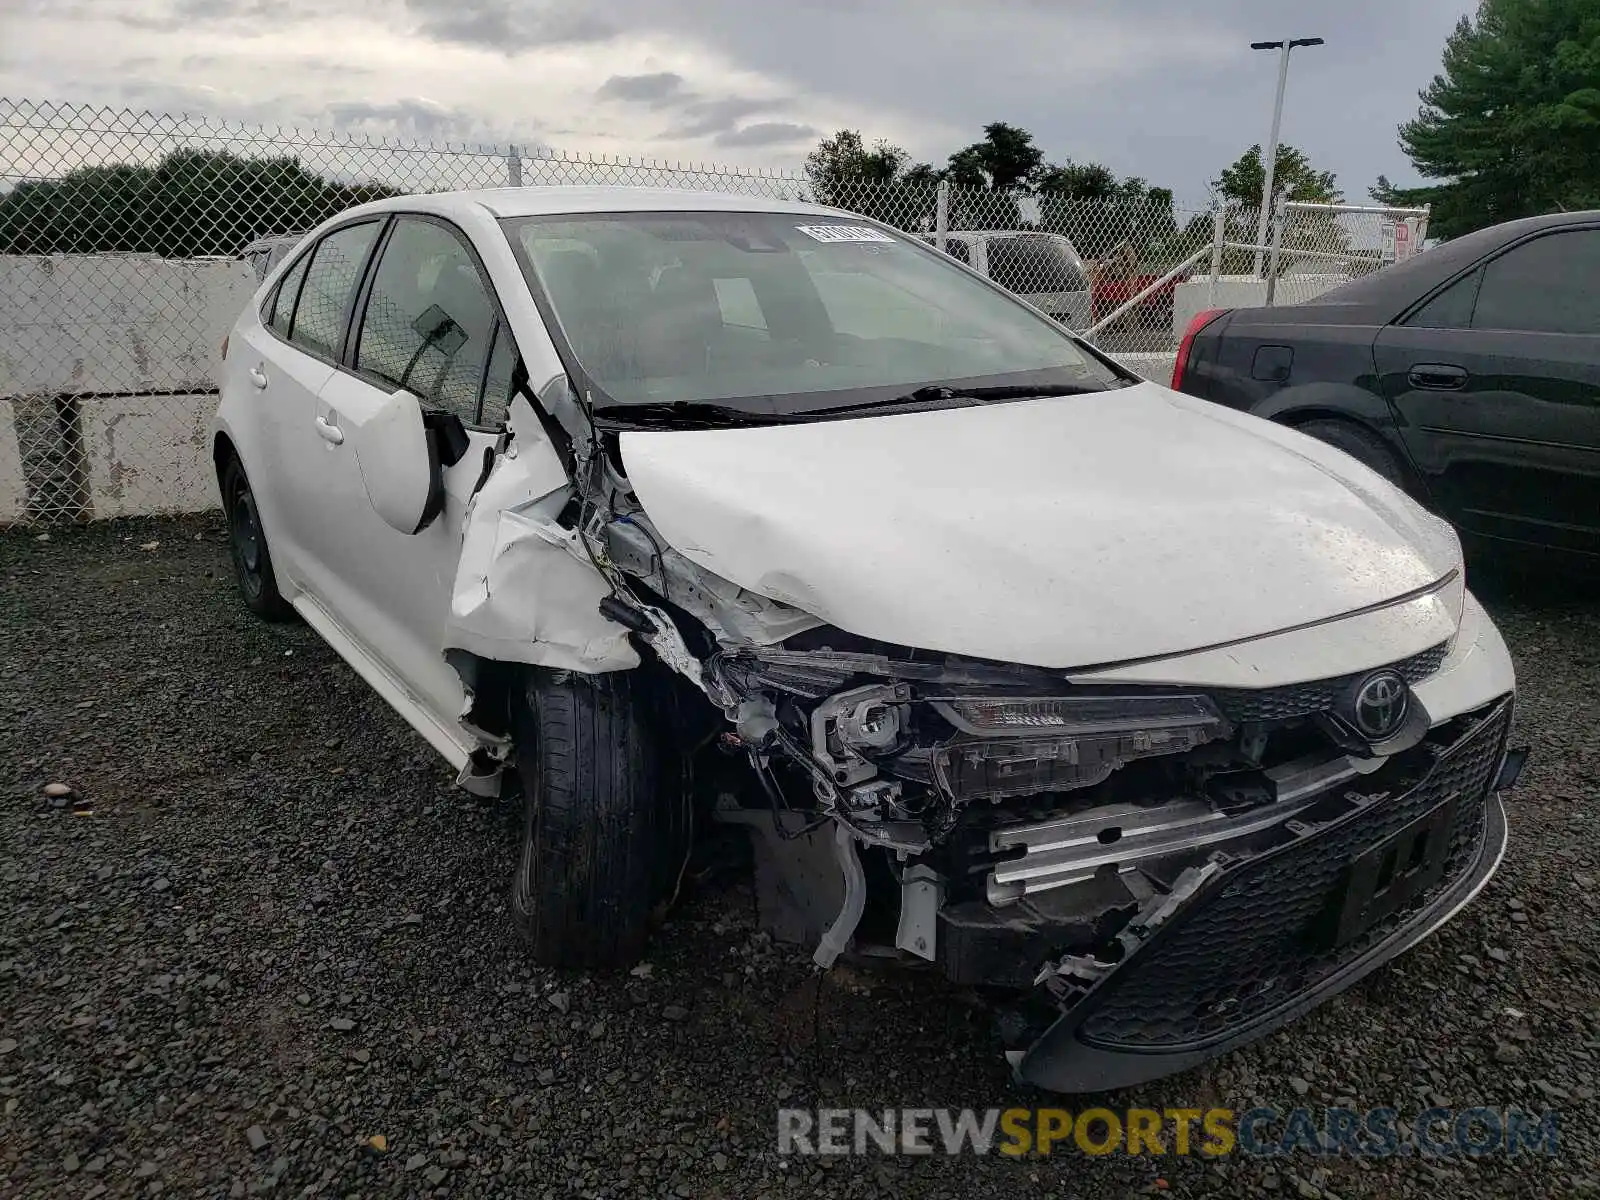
<point>129,242</point>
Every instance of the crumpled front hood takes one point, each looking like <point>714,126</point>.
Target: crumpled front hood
<point>1057,532</point>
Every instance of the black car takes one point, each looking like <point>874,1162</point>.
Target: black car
<point>1469,375</point>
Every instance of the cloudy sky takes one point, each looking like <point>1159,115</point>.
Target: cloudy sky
<point>1166,89</point>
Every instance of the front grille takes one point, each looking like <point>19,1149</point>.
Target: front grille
<point>1250,947</point>
<point>1320,695</point>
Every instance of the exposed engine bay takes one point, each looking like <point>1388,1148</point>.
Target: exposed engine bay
<point>990,788</point>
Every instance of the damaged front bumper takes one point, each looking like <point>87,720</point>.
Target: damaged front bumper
<point>1147,896</point>
<point>1255,937</point>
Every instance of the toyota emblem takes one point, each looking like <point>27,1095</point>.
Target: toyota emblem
<point>1379,707</point>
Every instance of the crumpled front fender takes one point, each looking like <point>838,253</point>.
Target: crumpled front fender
<point>524,589</point>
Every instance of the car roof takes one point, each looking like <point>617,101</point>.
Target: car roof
<point>572,199</point>
<point>1379,298</point>
<point>273,241</point>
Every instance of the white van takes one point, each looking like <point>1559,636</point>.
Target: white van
<point>1045,269</point>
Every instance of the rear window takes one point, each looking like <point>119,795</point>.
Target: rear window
<point>335,270</point>
<point>1032,263</point>
<point>281,317</point>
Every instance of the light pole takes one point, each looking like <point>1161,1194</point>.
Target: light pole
<point>1269,158</point>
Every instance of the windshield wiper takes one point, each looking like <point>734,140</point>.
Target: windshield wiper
<point>695,414</point>
<point>685,414</point>
<point>1007,391</point>
<point>935,394</point>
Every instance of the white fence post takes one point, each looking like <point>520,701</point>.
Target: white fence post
<point>513,168</point>
<point>1219,234</point>
<point>941,215</point>
<point>1278,220</point>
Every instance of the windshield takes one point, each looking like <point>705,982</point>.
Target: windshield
<point>1032,263</point>
<point>780,313</point>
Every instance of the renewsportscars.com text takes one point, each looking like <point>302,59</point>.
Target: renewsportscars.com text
<point>1204,1132</point>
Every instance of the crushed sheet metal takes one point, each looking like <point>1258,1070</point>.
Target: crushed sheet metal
<point>921,897</point>
<point>1073,974</point>
<point>731,612</point>
<point>524,591</point>
<point>669,646</point>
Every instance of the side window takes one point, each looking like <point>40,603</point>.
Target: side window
<point>428,323</point>
<point>282,314</point>
<point>497,380</point>
<point>1548,285</point>
<point>335,268</point>
<point>1451,308</point>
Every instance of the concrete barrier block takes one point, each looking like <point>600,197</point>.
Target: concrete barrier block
<point>75,324</point>
<point>13,485</point>
<point>1244,291</point>
<point>149,454</point>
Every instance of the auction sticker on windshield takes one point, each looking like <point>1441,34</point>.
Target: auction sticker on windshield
<point>843,233</point>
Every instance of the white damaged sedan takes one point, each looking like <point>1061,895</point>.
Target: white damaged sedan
<point>1159,721</point>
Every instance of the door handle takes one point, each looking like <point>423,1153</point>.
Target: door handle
<point>258,377</point>
<point>1437,377</point>
<point>329,432</point>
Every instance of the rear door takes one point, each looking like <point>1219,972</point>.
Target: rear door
<point>1496,382</point>
<point>287,361</point>
<point>391,592</point>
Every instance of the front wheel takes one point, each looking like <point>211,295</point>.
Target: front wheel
<point>593,827</point>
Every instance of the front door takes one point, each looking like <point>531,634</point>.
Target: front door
<point>428,323</point>
<point>1496,383</point>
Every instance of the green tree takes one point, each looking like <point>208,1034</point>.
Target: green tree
<point>1293,177</point>
<point>1512,124</point>
<point>876,182</point>
<point>1078,181</point>
<point>1097,211</point>
<point>843,161</point>
<point>1005,160</point>
<point>192,202</point>
<point>923,175</point>
<point>1086,201</point>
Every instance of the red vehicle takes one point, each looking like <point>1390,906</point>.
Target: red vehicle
<point>1117,278</point>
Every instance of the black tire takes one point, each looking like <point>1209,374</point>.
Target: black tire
<point>247,545</point>
<point>1359,444</point>
<point>590,862</point>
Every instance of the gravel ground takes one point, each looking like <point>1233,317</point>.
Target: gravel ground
<point>269,931</point>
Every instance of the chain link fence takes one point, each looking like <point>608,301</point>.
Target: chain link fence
<point>129,242</point>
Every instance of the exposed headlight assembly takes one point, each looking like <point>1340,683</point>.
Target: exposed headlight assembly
<point>1014,716</point>
<point>1020,745</point>
<point>848,729</point>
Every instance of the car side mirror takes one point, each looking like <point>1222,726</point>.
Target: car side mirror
<point>399,460</point>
